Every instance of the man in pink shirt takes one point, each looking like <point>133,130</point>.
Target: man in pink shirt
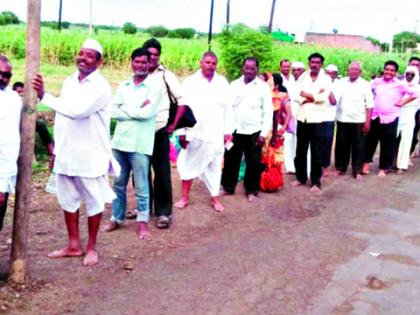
<point>388,98</point>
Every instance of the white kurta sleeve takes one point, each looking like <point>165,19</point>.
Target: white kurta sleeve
<point>267,112</point>
<point>82,102</point>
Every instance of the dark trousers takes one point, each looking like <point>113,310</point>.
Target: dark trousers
<point>243,144</point>
<point>42,130</point>
<point>329,136</point>
<point>312,134</point>
<point>161,186</point>
<point>386,135</point>
<point>416,132</point>
<point>3,209</point>
<point>350,141</point>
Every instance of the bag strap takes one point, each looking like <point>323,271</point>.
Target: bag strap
<point>171,96</point>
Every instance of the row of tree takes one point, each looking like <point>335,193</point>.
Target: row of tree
<point>161,31</point>
<point>401,42</point>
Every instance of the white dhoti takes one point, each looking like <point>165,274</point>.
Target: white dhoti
<point>7,184</point>
<point>289,152</point>
<point>405,131</point>
<point>290,141</point>
<point>204,160</point>
<point>72,190</point>
<point>406,123</point>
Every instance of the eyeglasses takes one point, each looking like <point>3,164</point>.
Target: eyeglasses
<point>411,74</point>
<point>5,74</point>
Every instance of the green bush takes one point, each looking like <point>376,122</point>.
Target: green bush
<point>240,42</point>
<point>8,17</point>
<point>185,33</point>
<point>129,28</point>
<point>157,31</point>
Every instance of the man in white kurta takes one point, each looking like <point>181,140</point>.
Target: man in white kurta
<point>407,121</point>
<point>253,113</point>
<point>11,106</point>
<point>203,145</point>
<point>82,147</point>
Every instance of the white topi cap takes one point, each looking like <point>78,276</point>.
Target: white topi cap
<point>298,65</point>
<point>332,67</point>
<point>92,44</point>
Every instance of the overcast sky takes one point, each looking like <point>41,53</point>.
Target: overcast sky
<point>376,18</point>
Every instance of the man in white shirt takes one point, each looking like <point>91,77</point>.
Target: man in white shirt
<point>203,145</point>
<point>312,92</point>
<point>82,148</point>
<point>354,109</point>
<point>288,79</point>
<point>298,69</point>
<point>11,106</point>
<point>253,113</point>
<point>332,71</point>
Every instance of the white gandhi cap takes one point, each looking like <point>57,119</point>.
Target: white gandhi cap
<point>93,44</point>
<point>332,67</point>
<point>298,65</point>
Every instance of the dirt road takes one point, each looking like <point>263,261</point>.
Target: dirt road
<point>353,249</point>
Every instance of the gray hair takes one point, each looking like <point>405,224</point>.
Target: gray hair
<point>356,62</point>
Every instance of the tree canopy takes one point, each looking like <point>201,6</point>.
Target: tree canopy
<point>7,17</point>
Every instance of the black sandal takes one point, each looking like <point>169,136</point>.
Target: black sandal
<point>131,214</point>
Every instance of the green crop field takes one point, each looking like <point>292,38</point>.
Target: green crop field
<point>182,56</point>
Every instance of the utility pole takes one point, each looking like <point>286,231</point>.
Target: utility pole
<point>227,14</point>
<point>90,18</point>
<point>60,10</point>
<point>270,23</point>
<point>211,23</point>
<point>394,19</point>
<point>17,273</point>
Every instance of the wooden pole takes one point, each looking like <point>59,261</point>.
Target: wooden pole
<point>27,130</point>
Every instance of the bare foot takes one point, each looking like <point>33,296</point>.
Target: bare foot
<point>66,252</point>
<point>358,177</point>
<point>217,206</point>
<point>251,197</point>
<point>410,163</point>
<point>182,203</point>
<point>400,171</point>
<point>325,172</point>
<point>315,189</point>
<point>365,169</point>
<point>91,258</point>
<point>296,183</point>
<point>381,173</point>
<point>143,231</point>
<point>111,226</point>
<point>339,173</point>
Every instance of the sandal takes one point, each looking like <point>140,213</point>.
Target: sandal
<point>163,222</point>
<point>131,214</point>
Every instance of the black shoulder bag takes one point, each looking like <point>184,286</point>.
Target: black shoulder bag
<point>187,120</point>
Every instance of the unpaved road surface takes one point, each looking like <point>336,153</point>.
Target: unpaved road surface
<point>353,249</point>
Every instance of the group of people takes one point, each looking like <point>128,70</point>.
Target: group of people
<point>362,113</point>
<point>297,108</point>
